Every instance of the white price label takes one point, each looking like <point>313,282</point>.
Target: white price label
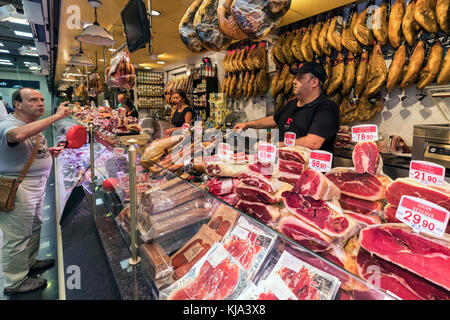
<point>289,139</point>
<point>365,132</point>
<point>427,172</point>
<point>118,152</point>
<point>422,216</point>
<point>266,152</point>
<point>320,160</point>
<point>186,126</point>
<point>224,151</point>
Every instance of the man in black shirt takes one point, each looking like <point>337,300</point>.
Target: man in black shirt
<point>311,115</point>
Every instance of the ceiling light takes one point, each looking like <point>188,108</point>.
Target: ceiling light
<point>17,20</point>
<point>28,51</point>
<point>101,60</point>
<point>160,62</point>
<point>80,59</point>
<point>95,34</point>
<point>23,34</point>
<point>72,71</point>
<point>1,44</point>
<point>112,49</point>
<point>4,51</point>
<point>156,13</point>
<point>147,67</point>
<point>5,60</point>
<point>6,11</point>
<point>6,63</point>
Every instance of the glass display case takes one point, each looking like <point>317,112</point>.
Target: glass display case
<point>186,236</point>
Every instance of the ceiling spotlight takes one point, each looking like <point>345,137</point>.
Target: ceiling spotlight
<point>23,34</point>
<point>160,62</point>
<point>156,13</point>
<point>95,34</point>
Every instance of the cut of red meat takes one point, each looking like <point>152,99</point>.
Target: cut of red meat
<point>439,195</point>
<point>266,213</point>
<point>243,250</point>
<point>366,157</point>
<point>253,194</point>
<point>425,256</point>
<point>359,185</point>
<point>267,296</point>
<point>359,205</point>
<point>267,170</point>
<point>222,169</point>
<point>304,234</point>
<point>300,283</point>
<point>259,181</point>
<point>389,214</point>
<point>211,283</point>
<point>404,284</point>
<point>222,186</point>
<point>291,166</point>
<point>320,215</point>
<point>366,219</point>
<point>231,198</point>
<point>294,153</point>
<point>314,184</point>
<point>289,177</point>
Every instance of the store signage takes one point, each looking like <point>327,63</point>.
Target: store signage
<point>289,139</point>
<point>365,132</point>
<point>6,83</point>
<point>427,172</point>
<point>422,216</point>
<point>224,151</point>
<point>266,152</point>
<point>320,160</point>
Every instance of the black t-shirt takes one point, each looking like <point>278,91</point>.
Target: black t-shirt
<point>178,117</point>
<point>133,113</point>
<point>319,117</point>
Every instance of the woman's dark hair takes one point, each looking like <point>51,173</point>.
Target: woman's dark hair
<point>183,95</point>
<point>128,103</point>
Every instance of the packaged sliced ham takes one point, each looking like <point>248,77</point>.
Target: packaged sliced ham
<point>217,276</point>
<point>292,278</point>
<point>223,219</point>
<point>249,244</point>
<point>183,260</point>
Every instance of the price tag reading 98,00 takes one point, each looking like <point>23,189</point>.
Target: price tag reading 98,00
<point>320,160</point>
<point>427,172</point>
<point>267,152</point>
<point>422,216</point>
<point>365,132</point>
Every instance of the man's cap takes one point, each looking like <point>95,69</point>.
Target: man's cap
<point>315,69</point>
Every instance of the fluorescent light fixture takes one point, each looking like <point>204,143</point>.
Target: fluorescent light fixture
<point>147,67</point>
<point>1,44</point>
<point>23,34</point>
<point>101,60</point>
<point>5,60</point>
<point>4,51</point>
<point>160,62</point>
<point>28,51</point>
<point>156,13</point>
<point>112,49</point>
<point>17,20</point>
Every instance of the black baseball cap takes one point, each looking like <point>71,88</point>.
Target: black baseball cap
<point>314,68</point>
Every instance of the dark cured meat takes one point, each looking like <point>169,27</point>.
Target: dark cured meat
<point>425,256</point>
<point>402,283</point>
<point>260,211</point>
<point>359,205</point>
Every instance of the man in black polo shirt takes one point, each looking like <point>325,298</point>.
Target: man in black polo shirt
<point>311,115</point>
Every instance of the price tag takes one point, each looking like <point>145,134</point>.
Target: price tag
<point>266,152</point>
<point>198,129</point>
<point>320,160</point>
<point>422,216</point>
<point>240,157</point>
<point>118,152</point>
<point>427,172</point>
<point>224,151</point>
<point>186,126</point>
<point>365,132</point>
<point>289,139</point>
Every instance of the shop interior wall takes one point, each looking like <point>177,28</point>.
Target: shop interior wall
<point>6,93</point>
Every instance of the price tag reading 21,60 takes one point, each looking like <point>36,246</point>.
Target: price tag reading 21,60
<point>320,160</point>
<point>365,132</point>
<point>422,216</point>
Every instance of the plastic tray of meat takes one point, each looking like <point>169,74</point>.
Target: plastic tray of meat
<point>217,276</point>
<point>291,278</point>
<point>249,244</point>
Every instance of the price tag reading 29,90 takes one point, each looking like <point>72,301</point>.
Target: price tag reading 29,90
<point>422,216</point>
<point>427,172</point>
<point>365,132</point>
<point>320,160</point>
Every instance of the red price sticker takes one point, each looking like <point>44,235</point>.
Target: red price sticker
<point>320,160</point>
<point>266,152</point>
<point>118,152</point>
<point>224,151</point>
<point>240,157</point>
<point>289,139</point>
<point>427,172</point>
<point>422,216</point>
<point>186,126</point>
<point>365,132</point>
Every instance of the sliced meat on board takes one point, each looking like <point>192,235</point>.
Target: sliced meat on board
<point>314,184</point>
<point>425,256</point>
<point>259,181</point>
<point>290,178</point>
<point>289,166</point>
<point>266,213</point>
<point>359,185</point>
<point>305,234</point>
<point>359,205</point>
<point>402,283</point>
<point>439,195</point>
<point>366,219</point>
<point>320,215</point>
<point>294,153</point>
<point>253,194</point>
<point>366,158</point>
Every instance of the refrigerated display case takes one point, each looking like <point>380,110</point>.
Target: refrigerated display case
<point>185,235</point>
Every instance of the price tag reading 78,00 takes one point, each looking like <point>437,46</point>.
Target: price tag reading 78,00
<point>320,160</point>
<point>365,132</point>
<point>422,216</point>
